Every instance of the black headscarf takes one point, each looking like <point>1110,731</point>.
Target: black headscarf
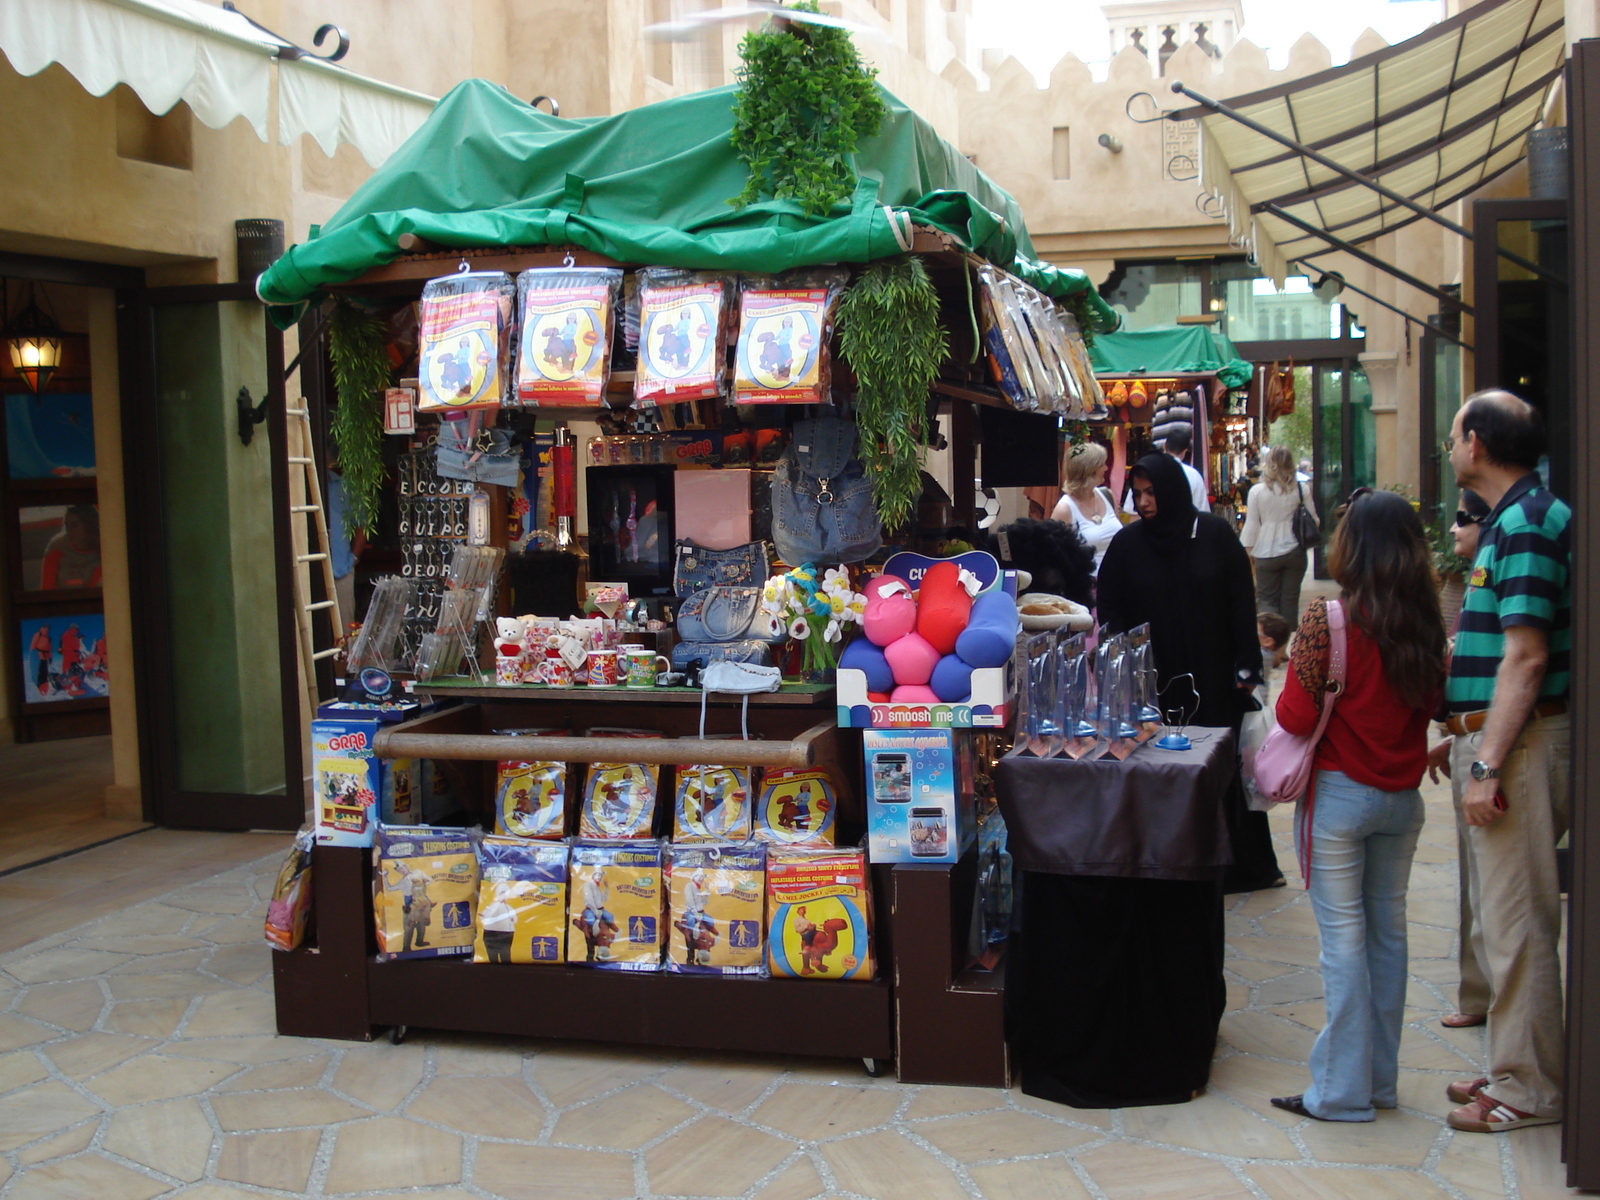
<point>1173,523</point>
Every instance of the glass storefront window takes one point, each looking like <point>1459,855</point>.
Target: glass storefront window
<point>1257,312</point>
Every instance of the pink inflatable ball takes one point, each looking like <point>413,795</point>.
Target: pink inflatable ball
<point>914,693</point>
<point>912,659</point>
<point>952,680</point>
<point>943,606</point>
<point>861,655</point>
<point>891,611</point>
<point>991,633</point>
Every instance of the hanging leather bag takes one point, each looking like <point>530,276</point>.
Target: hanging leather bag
<point>822,510</point>
<point>1307,533</point>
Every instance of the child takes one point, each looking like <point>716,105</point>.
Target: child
<point>1272,631</point>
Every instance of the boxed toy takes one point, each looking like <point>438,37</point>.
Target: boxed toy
<point>717,906</point>
<point>616,904</point>
<point>355,789</point>
<point>425,887</point>
<point>522,901</point>
<point>919,794</point>
<point>819,913</point>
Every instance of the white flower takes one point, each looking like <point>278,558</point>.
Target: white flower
<point>774,625</point>
<point>799,630</point>
<point>832,632</point>
<point>835,579</point>
<point>857,608</point>
<point>772,593</point>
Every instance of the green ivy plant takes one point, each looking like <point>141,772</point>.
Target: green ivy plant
<point>889,331</point>
<point>805,100</point>
<point>360,375</point>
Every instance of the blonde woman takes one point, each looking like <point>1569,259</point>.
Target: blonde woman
<point>1084,504</point>
<point>1269,535</point>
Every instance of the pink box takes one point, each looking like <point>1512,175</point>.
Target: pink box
<point>712,508</point>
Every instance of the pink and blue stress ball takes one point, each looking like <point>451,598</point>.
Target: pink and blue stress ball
<point>861,655</point>
<point>943,606</point>
<point>991,632</point>
<point>891,610</point>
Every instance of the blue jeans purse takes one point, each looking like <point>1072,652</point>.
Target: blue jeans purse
<point>695,568</point>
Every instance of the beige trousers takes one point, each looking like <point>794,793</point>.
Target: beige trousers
<point>1516,906</point>
<point>1472,996</point>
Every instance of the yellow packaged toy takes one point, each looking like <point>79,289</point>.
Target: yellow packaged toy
<point>616,905</point>
<point>531,799</point>
<point>716,909</point>
<point>565,356</point>
<point>522,901</point>
<point>465,341</point>
<point>713,805</point>
<point>619,799</point>
<point>681,319</point>
<point>797,808</point>
<point>425,886</point>
<point>784,326</point>
<point>819,914</point>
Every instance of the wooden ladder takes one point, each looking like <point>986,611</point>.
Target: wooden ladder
<point>302,455</point>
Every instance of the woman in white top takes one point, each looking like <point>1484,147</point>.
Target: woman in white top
<point>1084,504</point>
<point>1269,535</point>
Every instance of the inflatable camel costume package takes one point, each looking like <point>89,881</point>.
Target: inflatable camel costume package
<point>819,914</point>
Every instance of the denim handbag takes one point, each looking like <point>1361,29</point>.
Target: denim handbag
<point>727,614</point>
<point>695,568</point>
<point>687,654</point>
<point>822,510</point>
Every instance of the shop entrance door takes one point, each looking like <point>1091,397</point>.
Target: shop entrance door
<point>208,522</point>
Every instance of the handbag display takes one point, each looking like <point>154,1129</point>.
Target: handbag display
<point>1283,766</point>
<point>695,568</point>
<point>1307,533</point>
<point>688,654</point>
<point>727,614</point>
<point>822,510</point>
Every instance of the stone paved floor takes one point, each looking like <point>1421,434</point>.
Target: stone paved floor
<point>138,1059</point>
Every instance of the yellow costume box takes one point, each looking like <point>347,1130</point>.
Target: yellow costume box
<point>717,908</point>
<point>425,885</point>
<point>796,808</point>
<point>819,914</point>
<point>713,804</point>
<point>522,901</point>
<point>616,905</point>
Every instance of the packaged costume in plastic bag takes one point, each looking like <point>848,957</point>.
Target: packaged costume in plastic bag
<point>713,804</point>
<point>522,901</point>
<point>289,910</point>
<point>682,319</point>
<point>531,797</point>
<point>616,905</point>
<point>425,887</point>
<point>716,908</point>
<point>819,914</point>
<point>465,348</point>
<point>784,327</point>
<point>797,807</point>
<point>619,798</point>
<point>567,318</point>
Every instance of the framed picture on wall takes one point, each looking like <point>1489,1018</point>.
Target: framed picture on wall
<point>63,657</point>
<point>50,436</point>
<point>57,548</point>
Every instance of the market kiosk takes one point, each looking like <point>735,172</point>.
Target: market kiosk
<point>491,184</point>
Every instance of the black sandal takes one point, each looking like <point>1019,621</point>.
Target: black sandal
<point>1296,1105</point>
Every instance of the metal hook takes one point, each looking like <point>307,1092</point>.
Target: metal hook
<point>463,267</point>
<point>1211,206</point>
<point>555,108</point>
<point>567,260</point>
<point>1127,109</point>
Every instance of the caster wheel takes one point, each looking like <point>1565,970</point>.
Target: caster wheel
<point>397,1034</point>
<point>876,1068</point>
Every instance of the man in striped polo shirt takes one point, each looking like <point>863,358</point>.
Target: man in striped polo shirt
<point>1507,698</point>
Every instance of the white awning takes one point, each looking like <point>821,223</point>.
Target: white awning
<point>1432,118</point>
<point>216,61</point>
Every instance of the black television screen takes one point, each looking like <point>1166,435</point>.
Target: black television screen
<point>630,527</point>
<point>1019,449</point>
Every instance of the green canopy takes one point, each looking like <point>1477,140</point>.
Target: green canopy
<point>1170,348</point>
<point>651,185</point>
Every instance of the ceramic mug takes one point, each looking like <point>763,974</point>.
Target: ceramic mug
<point>643,667</point>
<point>556,670</point>
<point>507,670</point>
<point>602,669</point>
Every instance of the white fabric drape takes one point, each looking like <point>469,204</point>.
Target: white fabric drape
<point>334,106</point>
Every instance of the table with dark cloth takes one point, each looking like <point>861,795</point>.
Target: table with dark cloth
<point>1115,989</point>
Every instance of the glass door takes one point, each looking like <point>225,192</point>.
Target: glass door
<point>217,679</point>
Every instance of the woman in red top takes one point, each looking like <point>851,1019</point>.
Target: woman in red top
<point>1358,823</point>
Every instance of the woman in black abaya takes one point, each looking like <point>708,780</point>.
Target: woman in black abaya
<point>1187,574</point>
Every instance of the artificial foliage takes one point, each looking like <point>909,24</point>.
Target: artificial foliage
<point>889,331</point>
<point>805,100</point>
<point>360,375</point>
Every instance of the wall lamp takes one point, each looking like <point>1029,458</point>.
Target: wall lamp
<point>33,341</point>
<point>1113,144</point>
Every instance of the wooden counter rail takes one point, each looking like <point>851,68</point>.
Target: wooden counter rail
<point>799,751</point>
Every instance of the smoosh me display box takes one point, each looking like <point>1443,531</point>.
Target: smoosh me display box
<point>919,794</point>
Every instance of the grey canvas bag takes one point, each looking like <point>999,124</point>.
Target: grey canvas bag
<point>822,510</point>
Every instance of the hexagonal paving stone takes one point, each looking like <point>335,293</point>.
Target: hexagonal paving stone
<point>1331,1183</point>
<point>65,963</point>
<point>1122,1170</point>
<point>887,1164</point>
<point>304,1073</point>
<point>91,1053</point>
<point>798,1181</point>
<point>148,1018</point>
<point>239,1111</point>
<point>379,1074</point>
<point>173,1137</point>
<point>731,1083</point>
<point>1002,1133</point>
<point>547,1173</point>
<point>1395,1139</point>
<point>938,1101</point>
<point>270,1160</point>
<point>577,1073</point>
<point>15,1032</point>
<point>157,1077</point>
<point>60,1146</point>
<point>233,1014</point>
<point>88,1175</point>
<point>1031,1179</point>
<point>75,1006</point>
<point>813,1112</point>
<point>624,1121</point>
<point>713,1157</point>
<point>1211,1124</point>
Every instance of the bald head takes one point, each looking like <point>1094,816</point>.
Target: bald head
<point>1509,428</point>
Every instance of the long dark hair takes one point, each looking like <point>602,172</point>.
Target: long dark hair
<point>1379,555</point>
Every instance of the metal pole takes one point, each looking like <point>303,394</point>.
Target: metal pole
<point>1370,259</point>
<point>1354,176</point>
<point>1392,308</point>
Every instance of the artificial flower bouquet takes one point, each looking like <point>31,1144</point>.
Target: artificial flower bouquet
<point>819,609</point>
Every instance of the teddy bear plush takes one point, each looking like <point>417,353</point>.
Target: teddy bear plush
<point>511,635</point>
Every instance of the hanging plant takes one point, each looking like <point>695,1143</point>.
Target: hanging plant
<point>889,331</point>
<point>805,100</point>
<point>360,375</point>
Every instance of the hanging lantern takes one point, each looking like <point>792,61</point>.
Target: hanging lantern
<point>33,339</point>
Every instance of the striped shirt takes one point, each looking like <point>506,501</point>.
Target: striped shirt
<point>1521,576</point>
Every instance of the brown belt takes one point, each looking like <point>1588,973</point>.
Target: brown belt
<point>1464,723</point>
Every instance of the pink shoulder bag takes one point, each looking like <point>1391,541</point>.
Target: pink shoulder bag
<point>1283,765</point>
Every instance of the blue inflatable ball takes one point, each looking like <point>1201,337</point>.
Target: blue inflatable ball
<point>952,679</point>
<point>862,655</point>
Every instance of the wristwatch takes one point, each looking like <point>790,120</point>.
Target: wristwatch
<point>1482,770</point>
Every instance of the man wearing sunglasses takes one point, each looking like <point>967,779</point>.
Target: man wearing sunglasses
<point>1507,700</point>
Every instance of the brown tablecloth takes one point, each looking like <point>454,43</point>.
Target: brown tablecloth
<point>1158,814</point>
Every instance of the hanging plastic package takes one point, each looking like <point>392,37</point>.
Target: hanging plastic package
<point>619,798</point>
<point>797,807</point>
<point>682,319</point>
<point>784,328</point>
<point>465,341</point>
<point>819,914</point>
<point>531,797</point>
<point>1075,698</point>
<point>522,901</point>
<point>425,888</point>
<point>289,910</point>
<point>616,906</point>
<point>1043,732</point>
<point>713,804</point>
<point>567,316</point>
<point>1006,362</point>
<point>717,908</point>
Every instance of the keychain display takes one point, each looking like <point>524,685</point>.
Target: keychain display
<point>716,906</point>
<point>616,905</point>
<point>797,807</point>
<point>619,798</point>
<point>465,341</point>
<point>433,521</point>
<point>1040,724</point>
<point>784,329</point>
<point>522,901</point>
<point>682,320</point>
<point>567,318</point>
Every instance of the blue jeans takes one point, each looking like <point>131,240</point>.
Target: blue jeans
<point>1362,841</point>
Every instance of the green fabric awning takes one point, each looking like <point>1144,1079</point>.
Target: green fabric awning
<point>651,186</point>
<point>1171,348</point>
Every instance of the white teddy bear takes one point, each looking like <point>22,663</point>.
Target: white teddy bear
<point>510,635</point>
